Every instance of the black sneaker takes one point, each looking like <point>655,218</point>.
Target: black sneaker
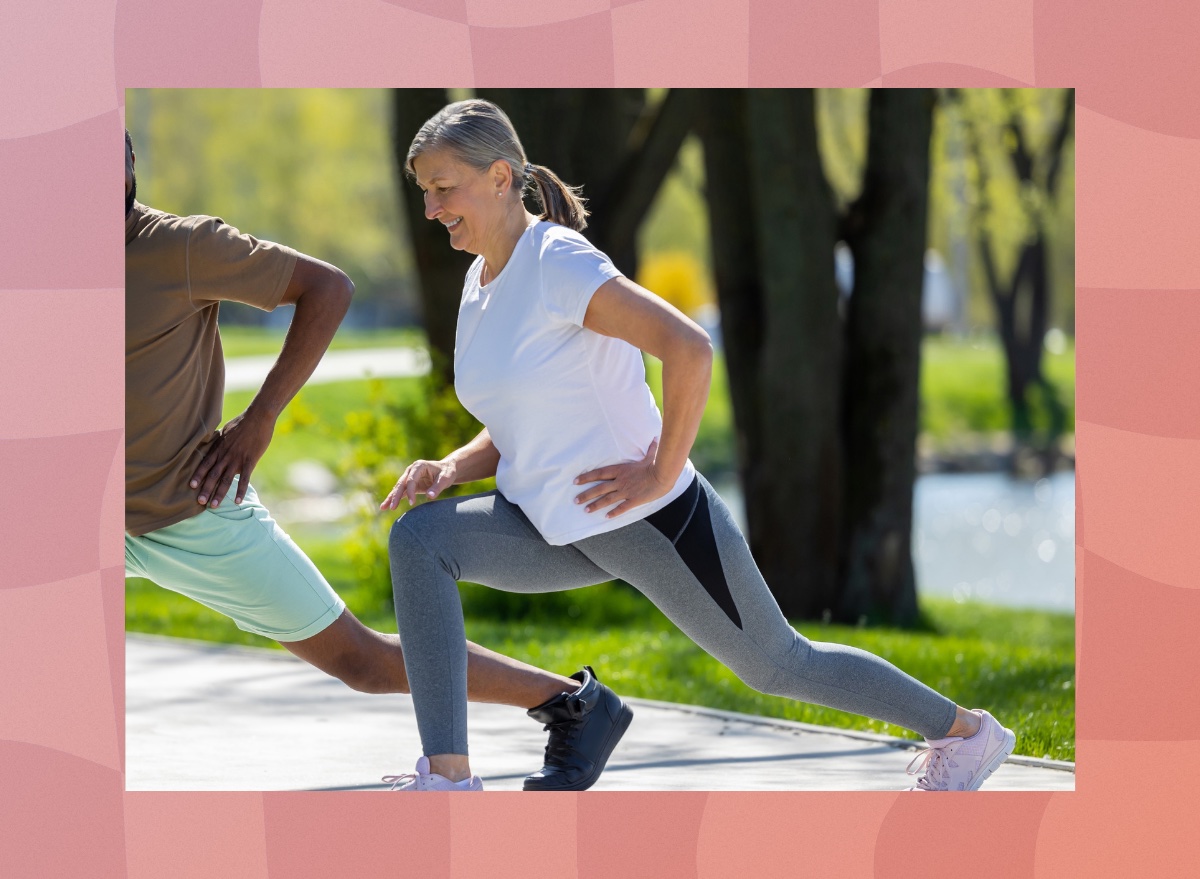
<point>584,728</point>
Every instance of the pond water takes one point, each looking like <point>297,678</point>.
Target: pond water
<point>987,537</point>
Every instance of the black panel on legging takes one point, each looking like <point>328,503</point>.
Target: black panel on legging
<point>686,523</point>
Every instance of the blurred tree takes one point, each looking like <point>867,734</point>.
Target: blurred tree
<point>1021,295</point>
<point>618,143</point>
<point>825,409</point>
<point>307,167</point>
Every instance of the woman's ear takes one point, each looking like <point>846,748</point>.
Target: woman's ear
<point>501,174</point>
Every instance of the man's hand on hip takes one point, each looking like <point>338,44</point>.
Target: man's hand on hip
<point>235,452</point>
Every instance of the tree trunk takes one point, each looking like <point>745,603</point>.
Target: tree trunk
<point>440,268</point>
<point>1023,303</point>
<point>734,236</point>
<point>882,361</point>
<point>826,461</point>
<point>772,227</point>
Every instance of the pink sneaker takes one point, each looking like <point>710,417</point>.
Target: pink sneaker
<point>423,779</point>
<point>956,763</point>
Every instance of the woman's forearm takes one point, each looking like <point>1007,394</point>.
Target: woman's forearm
<point>478,459</point>
<point>686,375</point>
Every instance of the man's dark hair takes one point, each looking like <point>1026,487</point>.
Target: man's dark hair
<point>128,139</point>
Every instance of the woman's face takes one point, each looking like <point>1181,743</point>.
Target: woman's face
<point>462,199</point>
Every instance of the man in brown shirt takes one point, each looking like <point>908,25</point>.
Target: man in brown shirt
<point>183,531</point>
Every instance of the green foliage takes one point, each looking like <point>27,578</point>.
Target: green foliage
<point>842,140</point>
<point>311,427</point>
<point>677,221</point>
<point>311,168</point>
<point>378,442</point>
<point>962,183</point>
<point>963,388</point>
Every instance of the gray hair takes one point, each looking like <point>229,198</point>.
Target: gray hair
<point>478,133</point>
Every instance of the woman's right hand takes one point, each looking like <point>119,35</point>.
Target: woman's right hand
<point>428,478</point>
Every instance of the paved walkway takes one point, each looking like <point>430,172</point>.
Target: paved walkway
<point>212,717</point>
<point>247,373</point>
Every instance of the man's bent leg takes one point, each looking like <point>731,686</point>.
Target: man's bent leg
<point>373,662</point>
<point>236,560</point>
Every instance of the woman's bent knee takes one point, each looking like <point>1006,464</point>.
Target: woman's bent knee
<point>403,541</point>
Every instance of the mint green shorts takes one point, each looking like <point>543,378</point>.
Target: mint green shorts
<point>237,561</point>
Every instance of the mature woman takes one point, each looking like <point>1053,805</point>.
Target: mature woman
<point>592,483</point>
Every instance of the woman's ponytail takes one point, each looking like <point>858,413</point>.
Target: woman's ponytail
<point>561,203</point>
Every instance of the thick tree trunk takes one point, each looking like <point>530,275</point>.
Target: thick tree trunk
<point>440,268</point>
<point>771,207</point>
<point>738,276</point>
<point>826,461</point>
<point>882,361</point>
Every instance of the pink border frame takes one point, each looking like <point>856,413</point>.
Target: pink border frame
<point>65,64</point>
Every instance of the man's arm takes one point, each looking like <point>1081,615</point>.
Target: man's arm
<point>321,294</point>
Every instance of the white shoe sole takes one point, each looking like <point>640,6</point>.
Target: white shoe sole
<point>1010,742</point>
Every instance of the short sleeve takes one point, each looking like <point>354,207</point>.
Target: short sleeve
<point>225,265</point>
<point>571,271</point>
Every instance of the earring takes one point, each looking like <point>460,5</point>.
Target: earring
<point>499,194</point>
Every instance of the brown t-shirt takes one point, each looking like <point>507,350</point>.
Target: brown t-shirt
<point>177,271</point>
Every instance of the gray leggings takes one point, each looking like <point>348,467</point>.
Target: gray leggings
<point>689,558</point>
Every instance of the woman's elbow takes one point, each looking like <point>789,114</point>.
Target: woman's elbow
<point>701,346</point>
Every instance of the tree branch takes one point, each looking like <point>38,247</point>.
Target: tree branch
<point>642,170</point>
<point>1065,125</point>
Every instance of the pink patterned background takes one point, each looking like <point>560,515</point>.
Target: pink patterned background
<point>63,67</point>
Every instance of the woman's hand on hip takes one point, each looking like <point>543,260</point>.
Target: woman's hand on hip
<point>625,485</point>
<point>426,478</point>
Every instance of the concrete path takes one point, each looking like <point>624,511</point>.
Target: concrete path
<point>247,373</point>
<point>211,717</point>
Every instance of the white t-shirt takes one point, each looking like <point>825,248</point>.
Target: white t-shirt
<point>557,400</point>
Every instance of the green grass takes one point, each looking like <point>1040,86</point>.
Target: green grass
<point>310,426</point>
<point>1019,664</point>
<point>963,386</point>
<point>244,341</point>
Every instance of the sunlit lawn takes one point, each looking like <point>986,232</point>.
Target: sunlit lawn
<point>963,386</point>
<point>247,341</point>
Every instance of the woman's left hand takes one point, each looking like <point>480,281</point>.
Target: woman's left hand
<point>626,485</point>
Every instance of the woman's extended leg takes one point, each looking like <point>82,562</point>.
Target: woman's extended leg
<point>691,560</point>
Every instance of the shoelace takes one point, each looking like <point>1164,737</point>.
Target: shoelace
<point>560,745</point>
<point>562,736</point>
<point>936,763</point>
<point>398,781</point>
